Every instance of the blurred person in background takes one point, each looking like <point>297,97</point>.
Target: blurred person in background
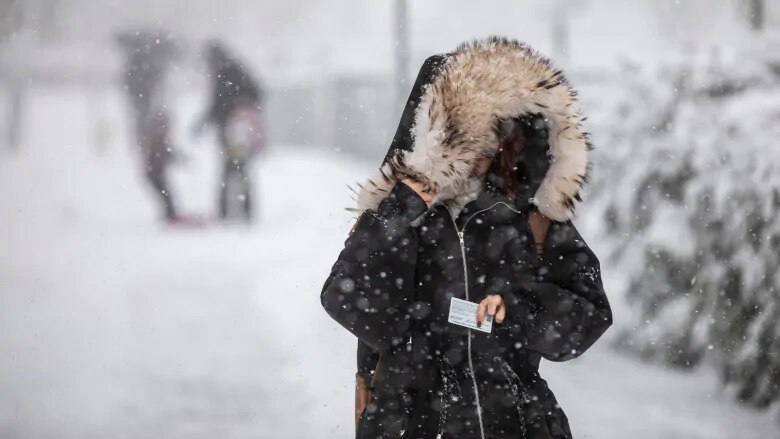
<point>235,112</point>
<point>148,55</point>
<point>473,201</point>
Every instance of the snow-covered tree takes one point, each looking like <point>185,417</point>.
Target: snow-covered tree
<point>689,194</point>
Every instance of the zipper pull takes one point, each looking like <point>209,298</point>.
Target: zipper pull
<point>460,237</point>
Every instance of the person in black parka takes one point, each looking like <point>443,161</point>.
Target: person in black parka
<point>489,140</point>
<point>233,88</point>
<point>148,56</point>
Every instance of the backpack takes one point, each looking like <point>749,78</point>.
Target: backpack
<point>244,132</point>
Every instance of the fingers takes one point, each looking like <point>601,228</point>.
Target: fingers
<point>501,314</point>
<point>492,305</point>
<point>425,191</point>
<point>426,196</point>
<point>433,190</point>
<point>414,184</point>
<point>481,311</point>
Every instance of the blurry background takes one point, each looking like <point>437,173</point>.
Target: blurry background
<point>113,324</point>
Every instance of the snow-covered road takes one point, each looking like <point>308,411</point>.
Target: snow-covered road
<point>114,327</point>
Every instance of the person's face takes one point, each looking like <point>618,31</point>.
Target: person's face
<point>483,164</point>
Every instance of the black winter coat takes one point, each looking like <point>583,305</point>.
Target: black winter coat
<point>404,262</point>
<point>392,286</point>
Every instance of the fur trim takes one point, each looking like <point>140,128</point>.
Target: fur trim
<point>482,83</point>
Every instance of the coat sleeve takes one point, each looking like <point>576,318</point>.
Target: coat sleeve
<point>371,285</point>
<point>561,318</point>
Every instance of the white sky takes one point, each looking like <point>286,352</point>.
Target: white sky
<point>315,36</point>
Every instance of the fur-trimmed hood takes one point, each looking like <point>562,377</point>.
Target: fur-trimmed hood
<point>453,116</point>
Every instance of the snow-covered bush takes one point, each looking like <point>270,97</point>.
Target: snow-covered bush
<point>688,188</point>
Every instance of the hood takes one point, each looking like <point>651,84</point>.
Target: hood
<point>453,117</point>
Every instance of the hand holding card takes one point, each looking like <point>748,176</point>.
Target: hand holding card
<point>492,305</point>
<point>464,313</point>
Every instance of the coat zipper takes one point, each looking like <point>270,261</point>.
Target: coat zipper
<point>466,282</point>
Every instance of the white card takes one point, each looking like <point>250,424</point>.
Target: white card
<point>464,313</point>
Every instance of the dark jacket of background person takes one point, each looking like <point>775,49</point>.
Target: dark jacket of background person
<point>232,84</point>
<point>403,263</point>
<point>148,55</point>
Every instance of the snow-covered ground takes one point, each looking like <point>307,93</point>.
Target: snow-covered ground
<point>112,326</point>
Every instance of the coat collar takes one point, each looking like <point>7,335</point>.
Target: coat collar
<point>488,197</point>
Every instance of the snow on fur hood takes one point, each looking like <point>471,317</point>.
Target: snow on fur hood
<point>452,116</point>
